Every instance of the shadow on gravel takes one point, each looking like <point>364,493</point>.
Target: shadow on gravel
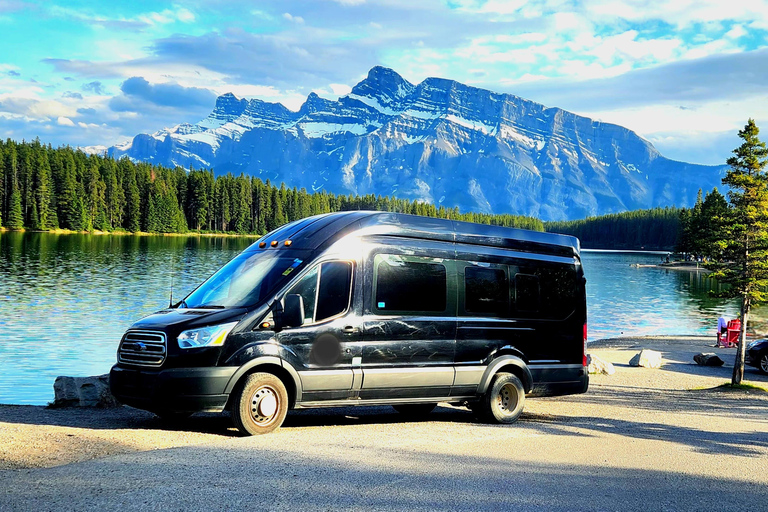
<point>736,404</point>
<point>113,419</point>
<point>221,424</point>
<point>385,478</point>
<point>744,444</point>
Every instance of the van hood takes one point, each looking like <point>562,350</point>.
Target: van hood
<point>188,318</point>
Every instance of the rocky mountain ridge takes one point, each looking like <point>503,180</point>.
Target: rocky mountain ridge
<point>438,141</point>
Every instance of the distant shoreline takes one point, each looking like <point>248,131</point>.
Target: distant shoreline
<point>129,233</point>
<point>642,251</point>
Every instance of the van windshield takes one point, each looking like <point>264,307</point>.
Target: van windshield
<point>245,281</point>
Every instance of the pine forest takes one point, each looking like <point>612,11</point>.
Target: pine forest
<point>45,188</point>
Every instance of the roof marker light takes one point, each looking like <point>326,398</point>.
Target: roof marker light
<point>262,245</point>
<point>287,243</point>
<point>274,243</point>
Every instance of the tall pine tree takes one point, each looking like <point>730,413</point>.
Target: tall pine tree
<point>744,237</point>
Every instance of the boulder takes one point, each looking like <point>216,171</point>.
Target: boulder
<point>647,359</point>
<point>708,359</point>
<point>83,392</point>
<point>597,365</point>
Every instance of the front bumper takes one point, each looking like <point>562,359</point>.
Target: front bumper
<point>172,390</point>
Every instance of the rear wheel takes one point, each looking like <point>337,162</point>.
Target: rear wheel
<point>504,400</point>
<point>763,364</point>
<point>261,404</point>
<point>415,410</point>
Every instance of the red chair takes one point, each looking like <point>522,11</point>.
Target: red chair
<point>733,332</point>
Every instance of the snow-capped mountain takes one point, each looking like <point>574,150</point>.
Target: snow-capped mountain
<point>438,141</point>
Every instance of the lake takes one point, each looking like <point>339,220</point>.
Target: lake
<point>66,299</point>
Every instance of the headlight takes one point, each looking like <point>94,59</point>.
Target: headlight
<point>211,336</point>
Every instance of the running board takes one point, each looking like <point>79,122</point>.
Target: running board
<point>349,402</point>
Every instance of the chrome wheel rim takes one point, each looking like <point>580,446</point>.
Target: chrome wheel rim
<point>264,405</point>
<point>764,363</point>
<point>506,400</point>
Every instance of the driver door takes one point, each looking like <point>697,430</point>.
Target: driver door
<point>328,341</point>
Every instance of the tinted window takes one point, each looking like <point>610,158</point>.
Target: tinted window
<point>559,287</point>
<point>307,288</point>
<point>486,290</point>
<point>335,283</point>
<point>332,297</point>
<point>527,292</point>
<point>409,284</point>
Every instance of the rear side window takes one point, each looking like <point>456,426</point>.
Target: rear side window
<point>409,284</point>
<point>486,291</point>
<point>325,290</point>
<point>527,292</point>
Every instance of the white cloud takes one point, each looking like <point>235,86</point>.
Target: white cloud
<point>340,89</point>
<point>294,19</point>
<point>65,121</point>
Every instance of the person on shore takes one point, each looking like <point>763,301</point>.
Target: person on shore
<point>722,329</point>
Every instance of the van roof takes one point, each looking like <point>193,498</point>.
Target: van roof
<point>322,230</point>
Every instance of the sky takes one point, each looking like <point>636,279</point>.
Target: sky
<point>686,75</point>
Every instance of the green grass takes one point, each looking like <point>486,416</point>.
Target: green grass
<point>742,387</point>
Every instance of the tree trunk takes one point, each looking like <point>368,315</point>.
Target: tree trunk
<point>741,348</point>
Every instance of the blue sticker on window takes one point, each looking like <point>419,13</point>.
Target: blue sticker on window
<point>381,305</point>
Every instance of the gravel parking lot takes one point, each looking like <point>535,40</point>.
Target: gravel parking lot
<point>641,439</point>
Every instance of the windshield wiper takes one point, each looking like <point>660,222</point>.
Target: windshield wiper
<point>211,306</point>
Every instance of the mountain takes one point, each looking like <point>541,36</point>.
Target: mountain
<point>438,141</point>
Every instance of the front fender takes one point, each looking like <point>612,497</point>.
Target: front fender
<point>500,362</point>
<point>266,361</point>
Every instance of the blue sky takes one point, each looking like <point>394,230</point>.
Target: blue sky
<point>685,75</point>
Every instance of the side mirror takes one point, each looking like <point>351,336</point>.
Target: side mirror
<point>293,313</point>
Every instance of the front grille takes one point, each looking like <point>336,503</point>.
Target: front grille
<point>142,348</point>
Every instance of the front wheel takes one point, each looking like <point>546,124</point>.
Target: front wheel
<point>763,364</point>
<point>504,400</point>
<point>261,404</point>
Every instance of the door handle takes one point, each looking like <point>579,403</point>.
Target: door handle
<point>349,329</point>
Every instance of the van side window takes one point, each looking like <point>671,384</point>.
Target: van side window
<point>486,291</point>
<point>409,284</point>
<point>527,292</point>
<point>331,297</point>
<point>335,285</point>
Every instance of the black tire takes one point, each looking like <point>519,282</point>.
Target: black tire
<point>415,410</point>
<point>260,404</point>
<point>762,363</point>
<point>504,400</point>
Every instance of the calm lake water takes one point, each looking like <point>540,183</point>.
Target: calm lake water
<point>65,300</point>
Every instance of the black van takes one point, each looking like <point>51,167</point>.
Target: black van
<point>367,308</point>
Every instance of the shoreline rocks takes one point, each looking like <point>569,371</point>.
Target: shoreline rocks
<point>708,359</point>
<point>83,392</point>
<point>598,365</point>
<point>647,359</point>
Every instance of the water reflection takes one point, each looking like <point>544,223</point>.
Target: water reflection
<point>65,300</point>
<point>627,300</point>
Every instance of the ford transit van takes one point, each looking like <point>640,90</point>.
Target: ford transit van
<point>367,308</point>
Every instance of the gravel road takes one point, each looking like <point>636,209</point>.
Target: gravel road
<point>641,439</point>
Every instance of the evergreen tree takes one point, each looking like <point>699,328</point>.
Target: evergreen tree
<point>132,216</point>
<point>15,215</point>
<point>44,214</point>
<point>744,237</point>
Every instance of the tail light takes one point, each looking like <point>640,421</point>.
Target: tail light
<point>584,352</point>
